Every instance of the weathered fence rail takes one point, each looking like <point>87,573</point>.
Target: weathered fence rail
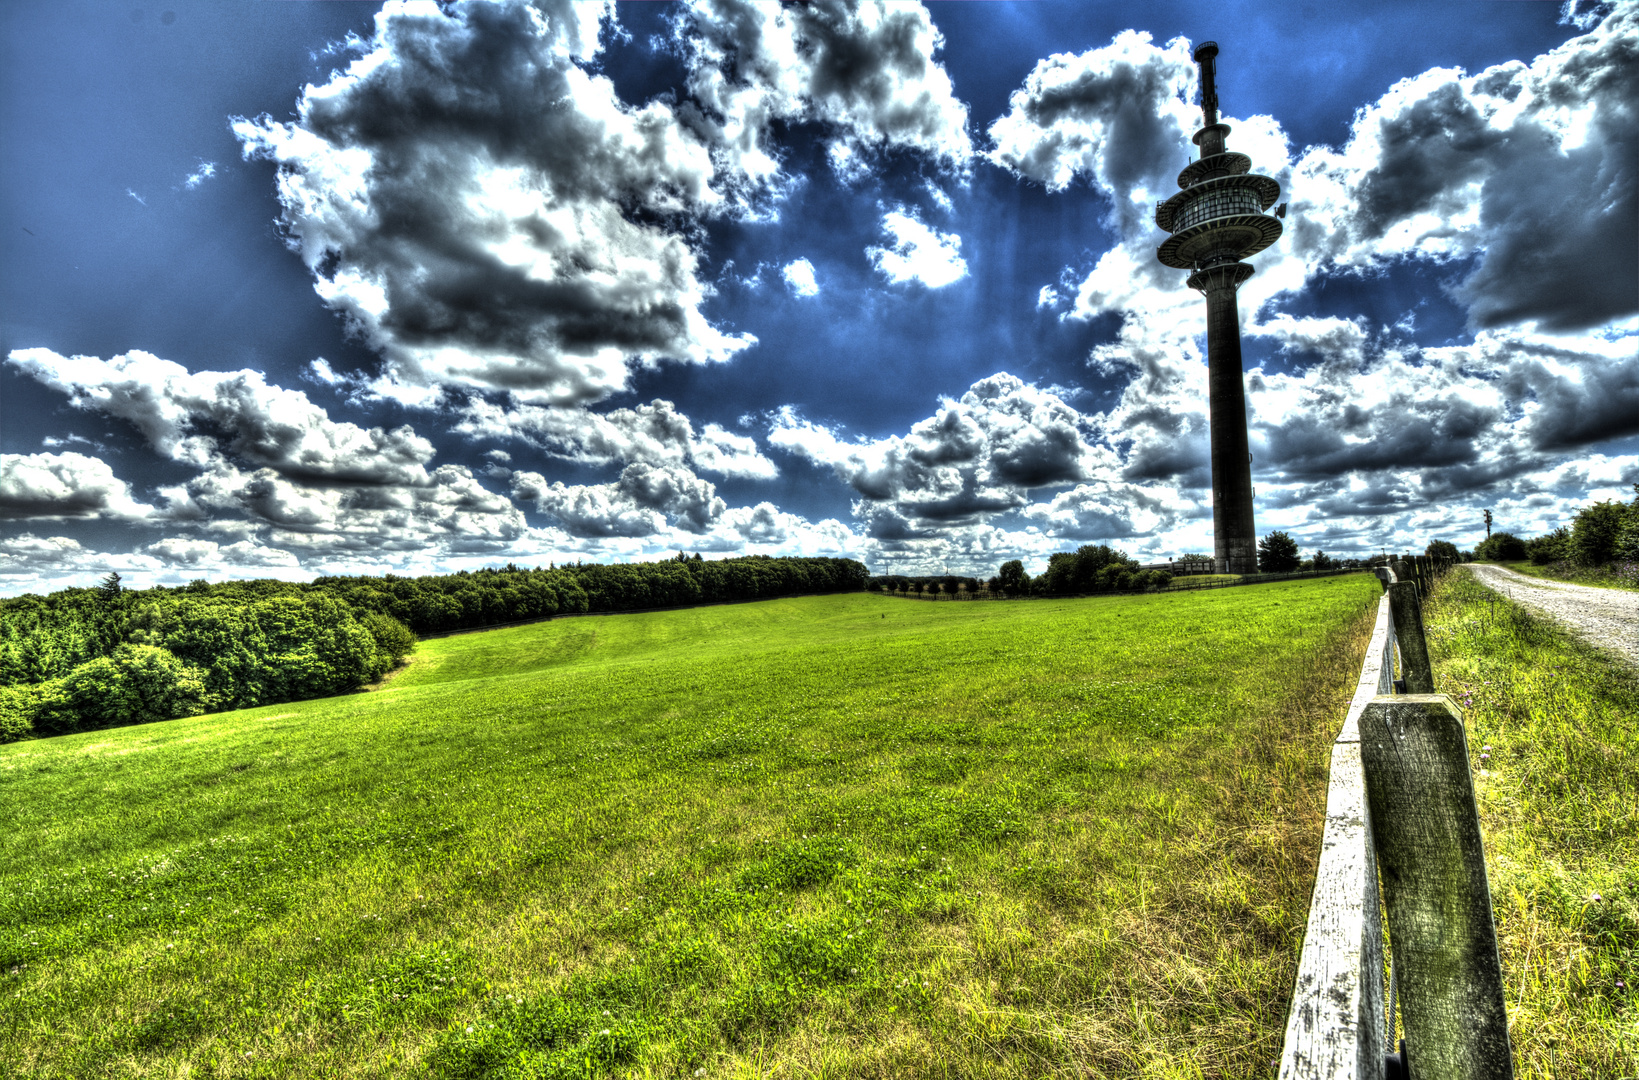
<point>1399,810</point>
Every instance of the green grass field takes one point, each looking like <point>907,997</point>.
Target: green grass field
<point>824,836</point>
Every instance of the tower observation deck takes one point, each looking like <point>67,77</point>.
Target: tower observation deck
<point>1216,220</point>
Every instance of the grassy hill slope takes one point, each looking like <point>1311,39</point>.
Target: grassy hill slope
<point>842,835</point>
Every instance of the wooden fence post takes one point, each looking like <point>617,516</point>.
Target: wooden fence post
<point>1408,630</point>
<point>1426,829</point>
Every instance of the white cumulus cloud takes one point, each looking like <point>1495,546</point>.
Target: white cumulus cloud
<point>799,278</point>
<point>66,485</point>
<point>260,424</point>
<point>866,70</point>
<point>486,211</point>
<point>917,252</point>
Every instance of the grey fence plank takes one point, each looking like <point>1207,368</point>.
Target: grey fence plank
<point>1426,830</point>
<point>1408,621</point>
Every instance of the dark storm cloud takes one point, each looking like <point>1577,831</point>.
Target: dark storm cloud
<point>1534,166</point>
<point>1404,432</point>
<point>487,212</point>
<point>1577,409</point>
<point>1427,154</point>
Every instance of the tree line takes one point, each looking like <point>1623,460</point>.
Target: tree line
<point>1088,569</point>
<point>1603,536</point>
<point>86,658</point>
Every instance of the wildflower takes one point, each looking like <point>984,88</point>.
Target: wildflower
<point>1597,898</point>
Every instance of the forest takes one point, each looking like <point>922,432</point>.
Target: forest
<point>87,658</point>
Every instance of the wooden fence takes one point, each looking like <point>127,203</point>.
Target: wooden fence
<point>1399,810</point>
<point>985,593</point>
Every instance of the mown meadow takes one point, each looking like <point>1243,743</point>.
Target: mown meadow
<point>817,836</point>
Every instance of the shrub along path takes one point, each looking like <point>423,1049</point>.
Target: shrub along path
<point>827,835</point>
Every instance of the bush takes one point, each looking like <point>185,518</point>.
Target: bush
<point>1595,530</point>
<point>137,685</point>
<point>1549,548</point>
<point>393,638</point>
<point>1443,549</point>
<point>1627,541</point>
<point>17,711</point>
<point>1500,547</point>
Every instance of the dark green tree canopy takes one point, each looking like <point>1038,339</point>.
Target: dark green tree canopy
<point>1277,553</point>
<point>1443,549</point>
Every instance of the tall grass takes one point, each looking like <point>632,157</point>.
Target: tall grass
<point>1554,728</point>
<point>813,837</point>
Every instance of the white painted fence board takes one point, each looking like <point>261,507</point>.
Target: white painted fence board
<point>1335,1028</point>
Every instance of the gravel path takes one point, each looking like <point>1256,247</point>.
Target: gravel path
<point>1608,618</point>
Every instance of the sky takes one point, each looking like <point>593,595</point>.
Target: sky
<point>290,289</point>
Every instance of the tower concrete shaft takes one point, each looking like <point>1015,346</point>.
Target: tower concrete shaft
<point>1234,536</point>
<point>1216,220</point>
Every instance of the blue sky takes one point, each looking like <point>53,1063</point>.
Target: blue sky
<point>291,289</point>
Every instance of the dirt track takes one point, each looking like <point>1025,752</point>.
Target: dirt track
<point>1608,618</point>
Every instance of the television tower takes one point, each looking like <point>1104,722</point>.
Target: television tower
<point>1216,221</point>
